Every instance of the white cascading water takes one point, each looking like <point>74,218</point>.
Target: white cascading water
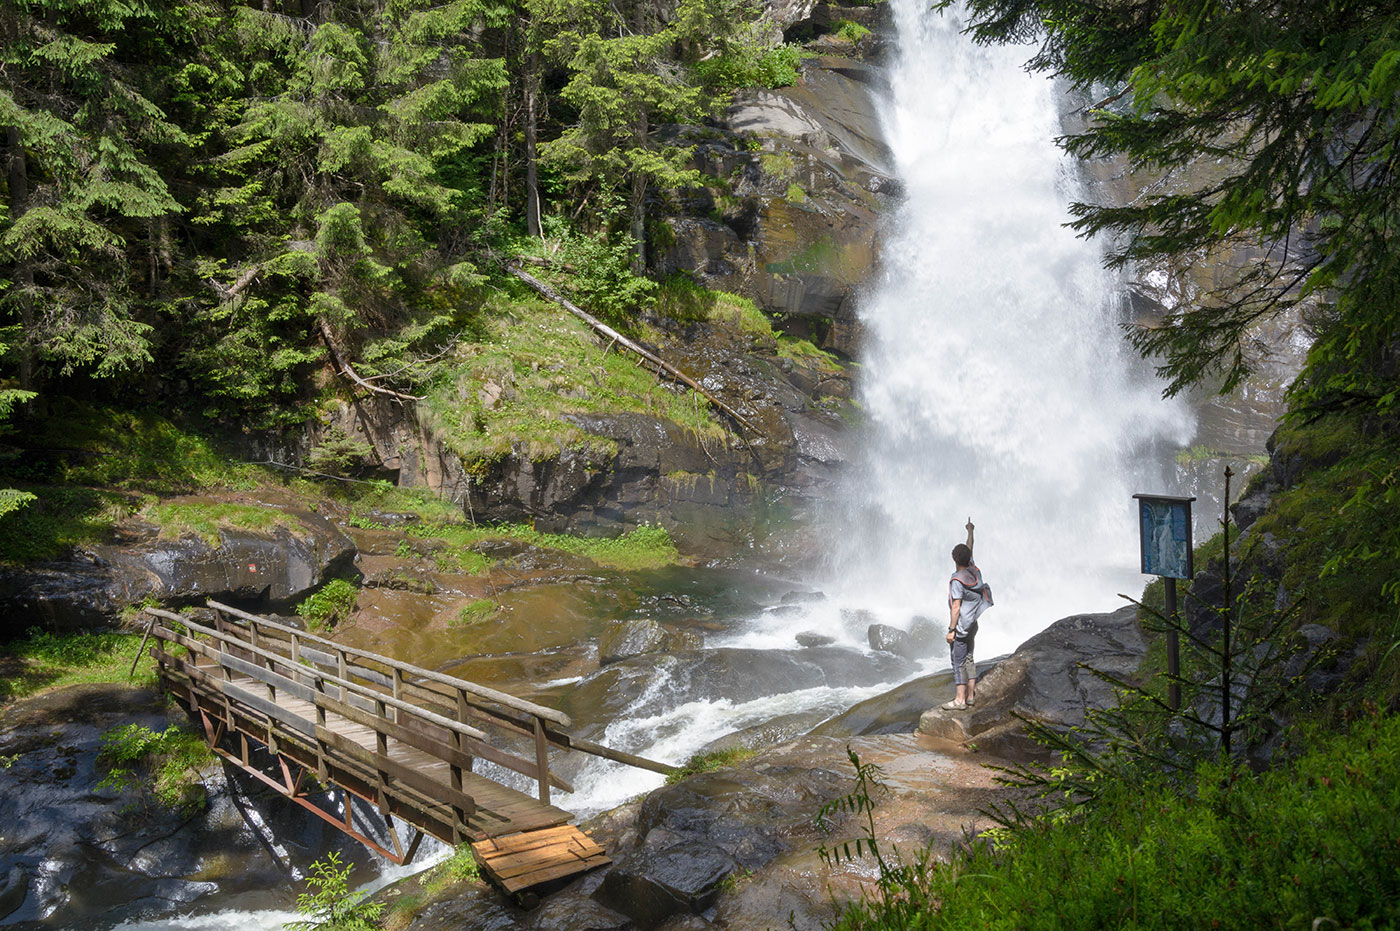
<point>995,376</point>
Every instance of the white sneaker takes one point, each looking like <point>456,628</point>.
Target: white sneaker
<point>953,705</point>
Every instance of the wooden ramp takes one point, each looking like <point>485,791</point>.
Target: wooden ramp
<point>519,862</point>
<point>301,713</point>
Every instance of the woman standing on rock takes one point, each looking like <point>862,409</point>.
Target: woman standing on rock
<point>968,597</point>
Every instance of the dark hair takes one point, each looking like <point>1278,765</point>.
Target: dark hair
<point>962,554</point>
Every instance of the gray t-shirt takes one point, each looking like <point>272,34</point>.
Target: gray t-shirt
<point>967,586</point>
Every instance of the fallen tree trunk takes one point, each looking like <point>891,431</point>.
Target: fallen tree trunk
<point>350,373</point>
<point>649,357</point>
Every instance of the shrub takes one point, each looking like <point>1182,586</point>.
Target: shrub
<point>331,605</point>
<point>850,31</point>
<point>329,905</point>
<point>169,762</point>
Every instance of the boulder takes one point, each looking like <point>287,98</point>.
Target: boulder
<point>273,569</point>
<point>813,638</point>
<point>887,639</point>
<point>630,638</point>
<point>1048,678</point>
<point>651,888</point>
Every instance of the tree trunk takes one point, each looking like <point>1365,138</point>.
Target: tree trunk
<point>639,206</point>
<point>24,271</point>
<point>532,181</point>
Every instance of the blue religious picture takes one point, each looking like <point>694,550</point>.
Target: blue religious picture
<point>1166,537</point>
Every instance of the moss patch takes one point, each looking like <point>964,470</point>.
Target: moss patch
<point>205,518</point>
<point>509,392</point>
<point>709,762</point>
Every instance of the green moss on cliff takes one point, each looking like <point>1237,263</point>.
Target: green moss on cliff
<point>510,391</point>
<point>205,518</point>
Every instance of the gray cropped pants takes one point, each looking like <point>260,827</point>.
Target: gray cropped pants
<point>964,666</point>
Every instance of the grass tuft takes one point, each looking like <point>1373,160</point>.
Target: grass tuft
<point>709,762</point>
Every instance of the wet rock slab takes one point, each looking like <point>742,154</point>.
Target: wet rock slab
<point>1049,679</point>
<point>74,854</point>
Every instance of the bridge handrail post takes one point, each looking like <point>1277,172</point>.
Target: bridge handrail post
<point>542,759</point>
<point>263,661</point>
<point>397,687</point>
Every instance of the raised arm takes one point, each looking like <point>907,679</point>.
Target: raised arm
<point>969,533</point>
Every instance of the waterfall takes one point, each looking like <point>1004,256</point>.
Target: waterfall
<point>994,376</point>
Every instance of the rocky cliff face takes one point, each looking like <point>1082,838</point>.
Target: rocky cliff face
<point>802,176</point>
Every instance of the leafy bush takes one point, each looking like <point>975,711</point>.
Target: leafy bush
<point>850,31</point>
<point>329,905</point>
<point>751,65</point>
<point>331,605</point>
<point>169,762</point>
<point>598,270</point>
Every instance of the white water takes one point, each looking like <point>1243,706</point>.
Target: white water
<point>995,377</point>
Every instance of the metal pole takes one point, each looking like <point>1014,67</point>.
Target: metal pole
<point>141,649</point>
<point>1173,647</point>
<point>1225,619</point>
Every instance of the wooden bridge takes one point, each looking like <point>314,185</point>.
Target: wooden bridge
<point>301,713</point>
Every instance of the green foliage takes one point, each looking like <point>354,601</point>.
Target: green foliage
<point>169,762</point>
<point>683,299</point>
<point>601,277</point>
<point>1309,843</point>
<point>850,31</point>
<point>475,612</point>
<point>329,905</point>
<point>461,867</point>
<point>86,132</point>
<point>506,392</point>
<point>339,454</point>
<point>647,546</point>
<point>329,606</point>
<point>44,660</point>
<point>1275,128</point>
<point>136,450</point>
<point>709,762</point>
<point>751,64</point>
